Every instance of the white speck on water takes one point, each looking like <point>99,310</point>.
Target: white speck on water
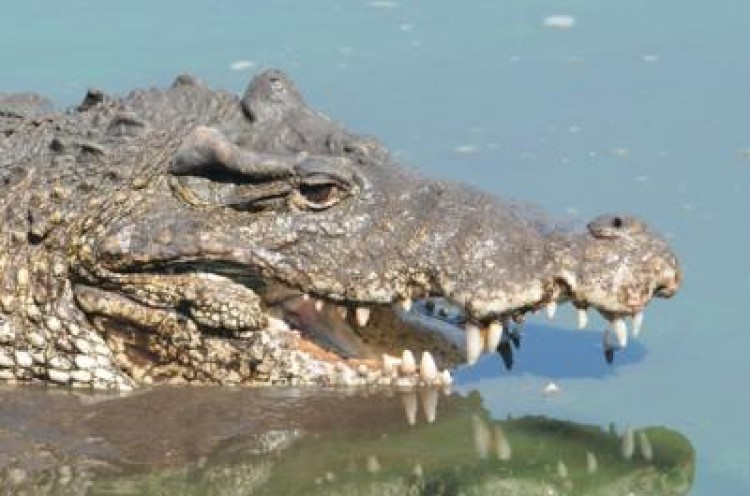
<point>565,160</point>
<point>346,50</point>
<point>405,26</point>
<point>650,58</point>
<point>574,129</point>
<point>515,59</point>
<point>383,4</point>
<point>465,149</point>
<point>242,65</point>
<point>572,211</point>
<point>551,388</point>
<point>664,154</point>
<point>642,179</point>
<point>593,154</point>
<point>620,152</point>
<point>562,21</point>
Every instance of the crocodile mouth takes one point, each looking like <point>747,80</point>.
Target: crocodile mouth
<point>407,341</point>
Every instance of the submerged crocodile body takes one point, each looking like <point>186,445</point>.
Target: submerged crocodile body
<point>157,238</point>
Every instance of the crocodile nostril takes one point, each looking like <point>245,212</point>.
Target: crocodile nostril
<point>669,289</point>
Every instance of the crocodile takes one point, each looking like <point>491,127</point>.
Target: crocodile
<point>170,236</point>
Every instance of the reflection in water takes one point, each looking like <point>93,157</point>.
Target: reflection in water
<point>218,441</point>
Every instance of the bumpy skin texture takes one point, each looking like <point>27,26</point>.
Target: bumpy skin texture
<point>140,235</point>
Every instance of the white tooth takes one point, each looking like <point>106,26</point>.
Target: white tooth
<point>551,308</point>
<point>427,368</point>
<point>583,317</point>
<point>621,332</point>
<point>591,464</point>
<point>502,446</point>
<point>643,442</point>
<point>408,363</point>
<point>473,343</point>
<point>608,339</point>
<point>429,397</point>
<point>627,447</point>
<point>363,315</point>
<point>494,335</point>
<point>305,296</point>
<point>319,305</point>
<point>410,407</point>
<point>637,323</point>
<point>277,324</point>
<point>445,378</point>
<point>482,436</point>
<point>390,363</point>
<point>405,304</point>
<point>373,465</point>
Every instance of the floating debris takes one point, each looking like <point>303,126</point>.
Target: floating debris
<point>551,388</point>
<point>650,58</point>
<point>559,21</point>
<point>465,149</point>
<point>383,4</point>
<point>242,65</point>
<point>620,152</point>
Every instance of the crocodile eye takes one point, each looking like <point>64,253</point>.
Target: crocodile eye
<point>319,194</point>
<point>614,226</point>
<point>322,183</point>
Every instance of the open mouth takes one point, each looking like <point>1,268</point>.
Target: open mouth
<point>219,322</point>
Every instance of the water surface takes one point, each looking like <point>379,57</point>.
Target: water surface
<point>638,106</point>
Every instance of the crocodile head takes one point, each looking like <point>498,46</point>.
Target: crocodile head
<point>202,219</point>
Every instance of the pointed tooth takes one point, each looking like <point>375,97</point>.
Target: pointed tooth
<point>473,343</point>
<point>494,335</point>
<point>305,296</point>
<point>621,332</point>
<point>609,343</point>
<point>583,317</point>
<point>429,397</point>
<point>408,363</point>
<point>445,378</point>
<point>405,304</point>
<point>319,305</point>
<point>482,436</point>
<point>427,368</point>
<point>637,323</point>
<point>363,315</point>
<point>502,446</point>
<point>591,464</point>
<point>627,446</point>
<point>410,407</point>
<point>551,309</point>
<point>390,363</point>
<point>645,445</point>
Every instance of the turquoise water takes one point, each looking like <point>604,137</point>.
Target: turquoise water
<point>639,106</point>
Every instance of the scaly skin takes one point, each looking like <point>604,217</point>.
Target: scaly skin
<point>143,237</point>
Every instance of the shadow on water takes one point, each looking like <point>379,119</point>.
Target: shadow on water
<point>242,441</point>
<point>557,353</point>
